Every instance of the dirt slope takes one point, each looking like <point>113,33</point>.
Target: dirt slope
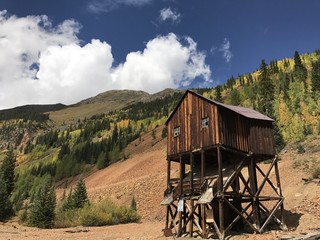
<point>143,176</point>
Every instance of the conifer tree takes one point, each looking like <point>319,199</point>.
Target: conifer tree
<point>80,196</point>
<point>5,205</point>
<point>42,212</point>
<point>266,90</point>
<point>300,70</point>
<point>217,95</point>
<point>7,169</point>
<point>315,77</point>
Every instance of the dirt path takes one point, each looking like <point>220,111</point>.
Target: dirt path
<point>133,231</point>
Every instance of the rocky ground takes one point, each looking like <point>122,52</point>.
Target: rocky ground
<point>143,176</point>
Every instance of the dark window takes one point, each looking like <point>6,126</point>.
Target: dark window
<point>176,131</point>
<point>204,122</point>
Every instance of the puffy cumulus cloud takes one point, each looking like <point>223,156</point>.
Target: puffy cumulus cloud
<point>166,14</point>
<point>74,72</point>
<point>225,49</point>
<point>98,6</point>
<point>41,63</point>
<point>165,62</point>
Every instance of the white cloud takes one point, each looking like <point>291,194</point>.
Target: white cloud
<point>166,14</point>
<point>225,49</point>
<point>98,6</point>
<point>165,62</point>
<point>41,64</point>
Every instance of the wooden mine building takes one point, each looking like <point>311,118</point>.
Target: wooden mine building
<point>221,185</point>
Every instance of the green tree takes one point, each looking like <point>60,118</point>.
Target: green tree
<point>235,98</point>
<point>42,212</point>
<point>217,95</point>
<point>315,77</point>
<point>300,70</point>
<point>80,196</point>
<point>5,205</point>
<point>102,161</point>
<point>7,169</point>
<point>266,90</point>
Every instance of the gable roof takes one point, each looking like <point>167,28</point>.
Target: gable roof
<point>246,112</point>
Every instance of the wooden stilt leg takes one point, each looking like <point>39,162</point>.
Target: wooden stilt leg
<point>220,193</point>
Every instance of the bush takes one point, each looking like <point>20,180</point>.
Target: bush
<point>99,214</point>
<point>300,149</point>
<point>316,172</point>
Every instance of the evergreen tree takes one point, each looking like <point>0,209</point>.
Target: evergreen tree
<point>80,196</point>
<point>42,212</point>
<point>5,205</point>
<point>102,161</point>
<point>7,169</point>
<point>235,98</point>
<point>315,77</point>
<point>300,70</point>
<point>266,90</point>
<point>217,95</point>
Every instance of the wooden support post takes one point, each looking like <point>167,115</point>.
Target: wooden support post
<point>167,217</point>
<point>191,173</point>
<point>180,192</point>
<point>203,221</point>
<point>181,176</point>
<point>168,173</point>
<point>203,167</point>
<point>276,169</point>
<point>180,225</point>
<point>202,206</point>
<point>220,193</point>
<point>191,195</point>
<point>191,218</point>
<point>255,200</point>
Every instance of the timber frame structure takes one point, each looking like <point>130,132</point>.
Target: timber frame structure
<point>221,185</point>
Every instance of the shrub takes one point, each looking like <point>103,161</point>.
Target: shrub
<point>98,214</point>
<point>316,172</point>
<point>300,149</point>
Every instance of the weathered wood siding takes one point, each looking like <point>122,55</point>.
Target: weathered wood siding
<point>188,116</point>
<point>261,139</point>
<point>225,127</point>
<point>234,130</point>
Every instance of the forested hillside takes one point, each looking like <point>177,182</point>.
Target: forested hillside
<point>287,90</point>
<point>46,150</point>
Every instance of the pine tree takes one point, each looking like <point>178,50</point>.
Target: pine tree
<point>235,98</point>
<point>7,169</point>
<point>42,212</point>
<point>80,196</point>
<point>217,95</point>
<point>5,205</point>
<point>266,90</point>
<point>300,70</point>
<point>315,77</point>
<point>102,161</point>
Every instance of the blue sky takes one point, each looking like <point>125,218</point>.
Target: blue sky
<point>68,50</point>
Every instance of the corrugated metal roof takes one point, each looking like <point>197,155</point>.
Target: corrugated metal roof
<point>246,112</point>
